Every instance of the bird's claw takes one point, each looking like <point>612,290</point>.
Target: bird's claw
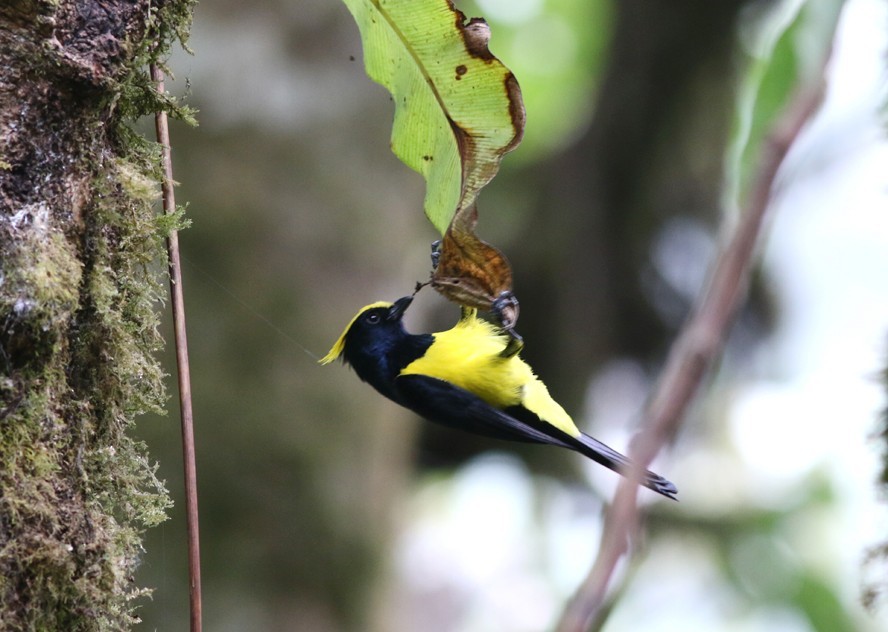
<point>436,253</point>
<point>505,309</point>
<point>514,346</point>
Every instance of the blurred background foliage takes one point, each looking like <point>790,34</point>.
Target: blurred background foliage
<point>324,507</point>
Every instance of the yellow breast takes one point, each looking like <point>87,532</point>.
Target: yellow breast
<point>468,356</point>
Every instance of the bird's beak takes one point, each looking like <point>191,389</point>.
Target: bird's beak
<point>396,311</point>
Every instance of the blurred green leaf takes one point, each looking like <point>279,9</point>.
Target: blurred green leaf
<point>785,47</point>
<point>821,605</point>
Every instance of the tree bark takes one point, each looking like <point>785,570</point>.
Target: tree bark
<point>79,243</point>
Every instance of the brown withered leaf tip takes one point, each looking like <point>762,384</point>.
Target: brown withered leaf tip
<point>470,271</point>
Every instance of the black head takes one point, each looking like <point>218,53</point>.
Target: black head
<point>376,345</point>
<point>370,330</point>
<point>375,332</point>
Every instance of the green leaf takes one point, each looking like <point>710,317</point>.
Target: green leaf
<point>457,108</point>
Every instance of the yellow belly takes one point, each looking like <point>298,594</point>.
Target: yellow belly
<point>468,356</point>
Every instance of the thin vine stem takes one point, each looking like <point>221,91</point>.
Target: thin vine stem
<point>177,300</point>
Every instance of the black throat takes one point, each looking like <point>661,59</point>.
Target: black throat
<point>379,358</point>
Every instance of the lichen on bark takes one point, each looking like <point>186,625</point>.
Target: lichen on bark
<point>80,246</point>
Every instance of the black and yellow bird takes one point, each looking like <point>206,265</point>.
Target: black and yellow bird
<point>468,377</point>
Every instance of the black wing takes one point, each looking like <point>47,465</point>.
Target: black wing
<point>455,407</point>
<point>450,405</point>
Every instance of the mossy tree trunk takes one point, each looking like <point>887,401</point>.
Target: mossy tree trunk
<point>79,250</point>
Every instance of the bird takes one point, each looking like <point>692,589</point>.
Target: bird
<point>470,377</point>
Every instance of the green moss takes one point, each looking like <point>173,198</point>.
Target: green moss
<point>80,280</point>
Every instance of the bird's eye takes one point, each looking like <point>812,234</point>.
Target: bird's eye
<point>373,318</point>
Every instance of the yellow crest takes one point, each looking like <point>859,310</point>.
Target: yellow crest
<point>336,351</point>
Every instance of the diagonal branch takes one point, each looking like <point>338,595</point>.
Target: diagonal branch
<point>184,372</point>
<point>697,346</point>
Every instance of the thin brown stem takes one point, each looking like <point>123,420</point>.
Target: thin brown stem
<point>690,357</point>
<point>184,373</point>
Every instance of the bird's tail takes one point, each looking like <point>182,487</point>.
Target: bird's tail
<point>610,458</point>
